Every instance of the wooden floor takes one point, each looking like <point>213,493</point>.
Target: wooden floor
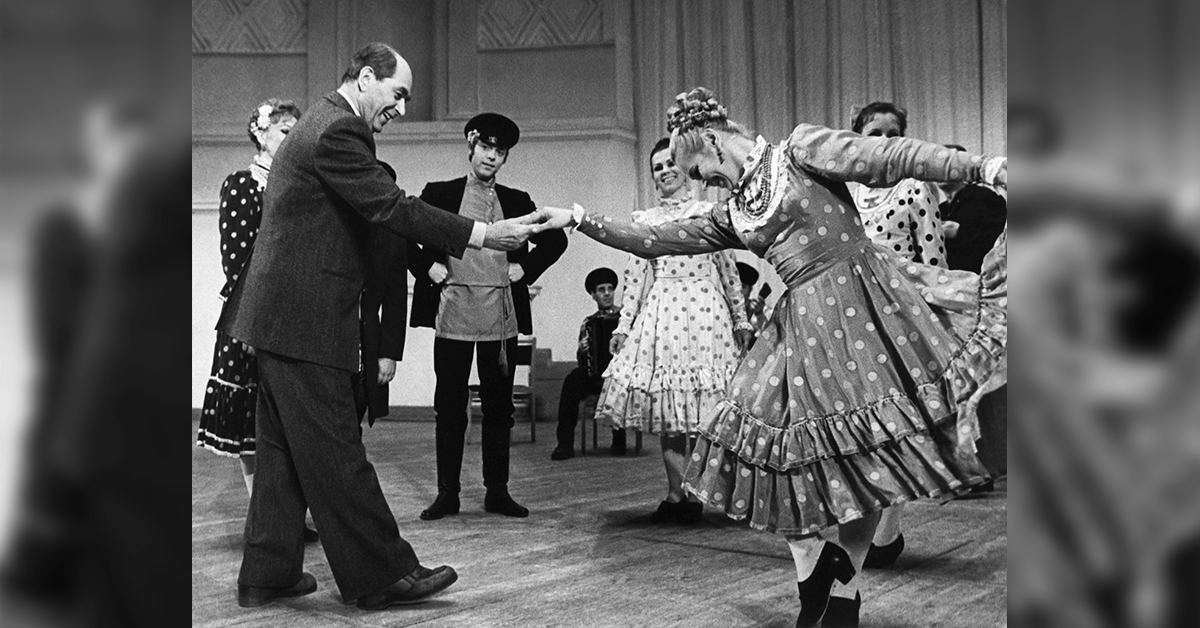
<point>588,555</point>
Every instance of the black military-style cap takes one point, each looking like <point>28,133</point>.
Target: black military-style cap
<point>599,276</point>
<point>495,129</point>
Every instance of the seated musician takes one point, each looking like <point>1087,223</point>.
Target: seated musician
<point>593,357</point>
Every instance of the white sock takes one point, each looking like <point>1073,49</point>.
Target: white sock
<point>805,552</point>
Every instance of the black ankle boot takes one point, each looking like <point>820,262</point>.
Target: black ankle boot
<point>445,504</point>
<point>842,613</point>
<point>883,556</point>
<point>834,563</point>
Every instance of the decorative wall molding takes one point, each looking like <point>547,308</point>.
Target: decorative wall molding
<point>556,130</point>
<point>523,24</point>
<point>249,26</point>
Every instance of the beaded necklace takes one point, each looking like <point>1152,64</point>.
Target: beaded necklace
<point>755,198</point>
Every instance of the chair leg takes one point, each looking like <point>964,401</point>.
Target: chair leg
<point>637,449</point>
<point>532,418</point>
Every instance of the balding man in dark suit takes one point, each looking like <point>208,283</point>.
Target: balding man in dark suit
<point>297,304</point>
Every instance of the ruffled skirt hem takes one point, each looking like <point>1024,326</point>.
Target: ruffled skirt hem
<point>807,471</point>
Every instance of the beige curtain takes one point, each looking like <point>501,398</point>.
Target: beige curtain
<point>776,64</point>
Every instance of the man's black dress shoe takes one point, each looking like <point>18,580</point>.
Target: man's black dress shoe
<point>504,504</point>
<point>562,453</point>
<point>880,556</point>
<point>445,504</point>
<point>249,597</point>
<point>310,535</point>
<point>414,588</point>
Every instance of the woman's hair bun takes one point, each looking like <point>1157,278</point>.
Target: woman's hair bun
<point>696,109</point>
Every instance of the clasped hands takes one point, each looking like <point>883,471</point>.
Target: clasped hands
<point>512,233</point>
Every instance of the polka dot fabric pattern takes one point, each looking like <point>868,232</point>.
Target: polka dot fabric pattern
<point>865,393</point>
<point>227,417</point>
<point>860,392</point>
<point>905,219</point>
<point>679,314</point>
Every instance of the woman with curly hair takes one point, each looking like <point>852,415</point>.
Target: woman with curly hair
<point>861,390</point>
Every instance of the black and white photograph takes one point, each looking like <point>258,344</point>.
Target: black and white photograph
<point>599,313</point>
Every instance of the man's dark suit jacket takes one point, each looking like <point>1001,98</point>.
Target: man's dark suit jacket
<point>548,247</point>
<point>383,333</point>
<point>981,214</point>
<point>299,294</point>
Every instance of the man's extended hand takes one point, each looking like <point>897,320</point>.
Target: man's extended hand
<point>557,218</point>
<point>510,234</point>
<point>515,272</point>
<point>387,370</point>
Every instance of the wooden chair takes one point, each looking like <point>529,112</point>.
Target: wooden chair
<point>587,412</point>
<point>523,398</point>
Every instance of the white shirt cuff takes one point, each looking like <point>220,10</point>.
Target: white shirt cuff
<point>477,234</point>
<point>577,215</point>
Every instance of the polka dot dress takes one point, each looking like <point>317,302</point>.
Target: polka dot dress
<point>904,218</point>
<point>227,418</point>
<point>861,389</point>
<point>678,314</point>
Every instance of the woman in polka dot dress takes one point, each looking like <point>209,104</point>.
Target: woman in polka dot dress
<point>858,393</point>
<point>904,217</point>
<point>683,323</point>
<point>227,420</point>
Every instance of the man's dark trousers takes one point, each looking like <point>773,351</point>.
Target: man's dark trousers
<point>575,387</point>
<point>311,457</point>
<point>452,366</point>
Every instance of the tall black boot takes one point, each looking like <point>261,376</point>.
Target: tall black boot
<point>449,473</point>
<point>496,443</point>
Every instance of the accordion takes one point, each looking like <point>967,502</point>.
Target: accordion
<point>599,333</point>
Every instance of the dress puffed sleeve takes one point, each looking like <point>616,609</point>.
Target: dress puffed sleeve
<point>731,282</point>
<point>639,276</point>
<point>704,233</point>
<point>878,161</point>
<point>240,201</point>
<point>927,230</point>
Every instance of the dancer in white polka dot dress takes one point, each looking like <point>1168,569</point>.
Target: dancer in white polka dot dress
<point>682,328</point>
<point>227,419</point>
<point>860,392</point>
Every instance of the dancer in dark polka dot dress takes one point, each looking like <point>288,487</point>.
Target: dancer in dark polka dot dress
<point>227,419</point>
<point>905,217</point>
<point>861,392</point>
